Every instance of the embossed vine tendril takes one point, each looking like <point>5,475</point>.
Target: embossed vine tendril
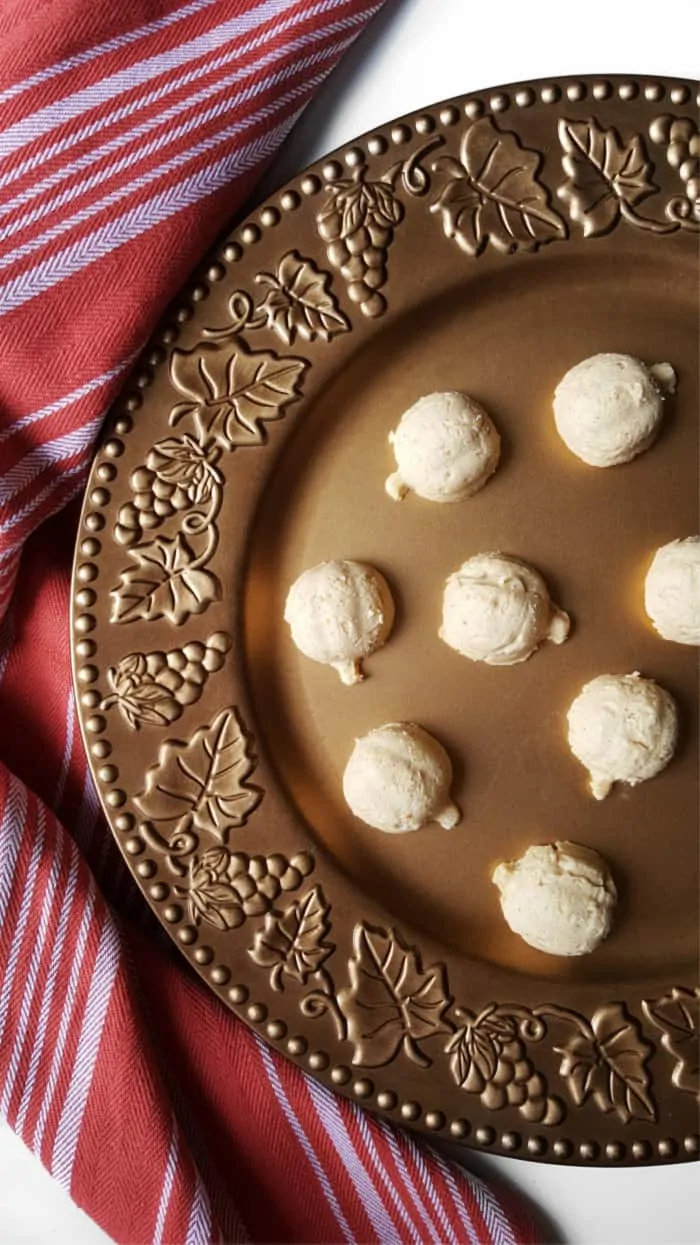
<point>414,178</point>
<point>199,523</point>
<point>323,1001</point>
<point>242,315</point>
<point>177,848</point>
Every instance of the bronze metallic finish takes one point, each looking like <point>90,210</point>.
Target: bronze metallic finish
<point>486,244</point>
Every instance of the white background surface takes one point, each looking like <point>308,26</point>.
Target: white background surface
<point>417,52</point>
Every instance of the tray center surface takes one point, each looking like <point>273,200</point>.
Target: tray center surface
<point>505,337</point>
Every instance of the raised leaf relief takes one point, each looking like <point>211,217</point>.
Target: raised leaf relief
<point>392,1003</point>
<point>203,782</point>
<point>489,1057</point>
<point>677,1015</point>
<point>299,300</point>
<point>607,1060</point>
<point>211,893</point>
<point>231,392</point>
<point>493,194</point>
<point>606,178</point>
<point>294,942</point>
<point>166,580</point>
<point>153,689</point>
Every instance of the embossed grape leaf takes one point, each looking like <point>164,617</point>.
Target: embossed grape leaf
<point>203,781</point>
<point>129,673</point>
<point>210,895</point>
<point>383,206</point>
<point>231,390</point>
<point>610,1064</point>
<point>350,198</point>
<point>361,204</point>
<point>475,1048</point>
<point>140,698</point>
<point>606,178</point>
<point>677,1014</point>
<point>493,194</point>
<point>392,1003</point>
<point>163,583</point>
<point>181,460</point>
<point>473,1058</point>
<point>299,301</point>
<point>294,943</point>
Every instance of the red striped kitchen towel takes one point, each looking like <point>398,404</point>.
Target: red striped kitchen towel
<point>129,133</point>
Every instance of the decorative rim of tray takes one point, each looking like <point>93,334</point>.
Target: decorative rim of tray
<point>609,1082</point>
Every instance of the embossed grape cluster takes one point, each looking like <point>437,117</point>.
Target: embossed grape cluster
<point>681,138</point>
<point>360,256</point>
<point>260,880</point>
<point>155,687</point>
<point>516,1083</point>
<point>684,154</point>
<point>183,671</point>
<point>360,252</point>
<point>155,499</point>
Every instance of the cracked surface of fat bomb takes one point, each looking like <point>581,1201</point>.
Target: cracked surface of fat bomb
<point>609,408</point>
<point>446,448</point>
<point>339,613</point>
<point>672,591</point>
<point>622,728</point>
<point>398,779</point>
<point>559,897</point>
<point>497,609</point>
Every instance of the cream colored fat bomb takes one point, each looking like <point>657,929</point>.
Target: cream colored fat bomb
<point>672,591</point>
<point>446,448</point>
<point>559,898</point>
<point>608,409</point>
<point>497,609</point>
<point>622,728</point>
<point>398,779</point>
<point>340,613</point>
